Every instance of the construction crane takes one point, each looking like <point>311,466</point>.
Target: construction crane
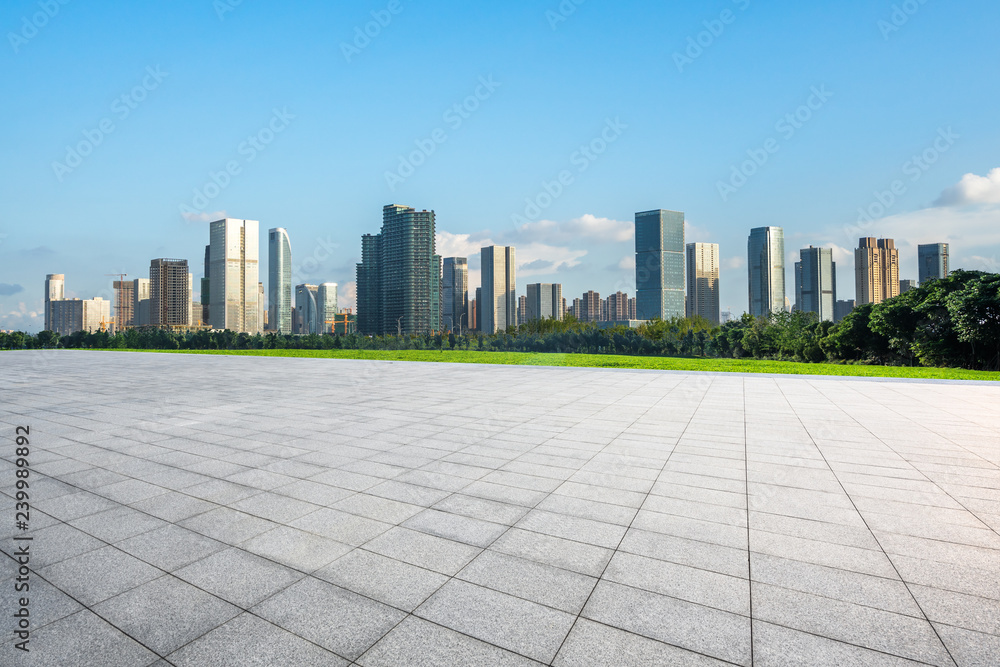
<point>117,319</point>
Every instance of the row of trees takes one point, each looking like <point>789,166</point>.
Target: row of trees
<point>953,322</point>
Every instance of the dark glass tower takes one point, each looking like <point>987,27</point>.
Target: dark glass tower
<point>659,264</point>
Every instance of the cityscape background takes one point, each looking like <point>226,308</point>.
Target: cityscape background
<point>132,129</point>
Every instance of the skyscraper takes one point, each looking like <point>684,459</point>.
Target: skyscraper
<point>233,278</point>
<point>590,308</point>
<point>71,315</point>
<point>906,285</point>
<point>616,308</point>
<point>766,270</point>
<point>544,301</point>
<point>932,262</point>
<point>55,290</point>
<point>279,281</point>
<point>169,293</point>
<point>206,285</point>
<point>702,268</point>
<point>876,270</point>
<point>399,277</point>
<point>140,294</point>
<point>326,307</point>
<point>124,304</point>
<point>306,309</point>
<point>522,310</point>
<point>455,294</point>
<point>842,309</point>
<point>498,308</point>
<point>659,264</point>
<point>816,278</point>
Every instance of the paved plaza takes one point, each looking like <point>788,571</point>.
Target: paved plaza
<point>198,510</point>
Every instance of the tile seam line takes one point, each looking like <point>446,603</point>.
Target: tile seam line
<point>746,489</point>
<point>870,531</point>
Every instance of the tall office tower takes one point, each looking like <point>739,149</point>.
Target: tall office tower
<point>399,277</point>
<point>141,291</point>
<point>169,293</point>
<point>659,264</point>
<point>590,307</point>
<point>279,281</point>
<point>816,282</point>
<point>233,275</point>
<point>306,309</point>
<point>702,268</point>
<point>124,304</point>
<point>876,270</point>
<point>616,307</point>
<point>261,309</point>
<point>206,285</point>
<point>474,311</point>
<point>498,309</point>
<point>522,310</point>
<point>544,301</point>
<point>932,260</point>
<point>766,269</point>
<point>55,290</point>
<point>326,307</point>
<point>906,285</point>
<point>192,320</point>
<point>71,315</point>
<point>842,308</point>
<point>455,294</point>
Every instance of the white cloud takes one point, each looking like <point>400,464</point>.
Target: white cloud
<point>627,263</point>
<point>973,189</point>
<point>461,245</point>
<point>540,259</point>
<point>734,263</point>
<point>585,227</point>
<point>204,217</point>
<point>347,296</point>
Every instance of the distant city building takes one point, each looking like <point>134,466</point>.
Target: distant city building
<point>55,290</point>
<point>906,285</point>
<point>702,267</point>
<point>124,304</point>
<point>659,264</point>
<point>590,307</point>
<point>455,294</point>
<point>932,262</point>
<point>326,306</point>
<point>399,277</point>
<point>261,307</point>
<point>344,323</point>
<point>766,270</point>
<point>876,270</point>
<point>206,290</point>
<point>576,309</point>
<point>816,282</point>
<point>233,276</point>
<point>306,317</point>
<point>726,316</point>
<point>140,296</point>
<point>169,293</point>
<point>71,315</point>
<point>498,308</point>
<point>841,309</point>
<point>522,310</point>
<point>616,308</point>
<point>545,301</point>
<point>279,280</point>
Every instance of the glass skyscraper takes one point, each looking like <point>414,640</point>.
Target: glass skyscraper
<point>766,270</point>
<point>455,294</point>
<point>233,282</point>
<point>498,308</point>
<point>326,307</point>
<point>932,259</point>
<point>703,281</point>
<point>659,264</point>
<point>544,301</point>
<point>816,282</point>
<point>279,281</point>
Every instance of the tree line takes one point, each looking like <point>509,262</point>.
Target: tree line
<point>954,322</point>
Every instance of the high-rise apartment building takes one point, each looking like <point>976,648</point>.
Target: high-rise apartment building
<point>498,308</point>
<point>399,277</point>
<point>616,308</point>
<point>169,293</point>
<point>206,285</point>
<point>71,315</point>
<point>816,282</point>
<point>659,264</point>
<point>906,285</point>
<point>702,268</point>
<point>544,301</point>
<point>326,307</point>
<point>124,304</point>
<point>842,308</point>
<point>279,281</point>
<point>55,290</point>
<point>522,310</point>
<point>455,294</point>
<point>140,296</point>
<point>233,277</point>
<point>876,270</point>
<point>766,270</point>
<point>590,307</point>
<point>306,317</point>
<point>932,261</point>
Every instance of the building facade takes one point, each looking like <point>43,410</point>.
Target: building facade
<point>544,301</point>
<point>233,275</point>
<point>71,315</point>
<point>140,295</point>
<point>932,262</point>
<point>498,308</point>
<point>766,270</point>
<point>702,269</point>
<point>306,319</point>
<point>816,282</point>
<point>55,290</point>
<point>659,264</point>
<point>906,285</point>
<point>169,293</point>
<point>616,308</point>
<point>124,304</point>
<point>326,307</point>
<point>842,308</point>
<point>279,281</point>
<point>455,294</point>
<point>876,270</point>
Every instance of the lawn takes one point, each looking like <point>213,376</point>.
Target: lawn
<point>617,361</point>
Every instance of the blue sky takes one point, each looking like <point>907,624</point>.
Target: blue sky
<point>670,98</point>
